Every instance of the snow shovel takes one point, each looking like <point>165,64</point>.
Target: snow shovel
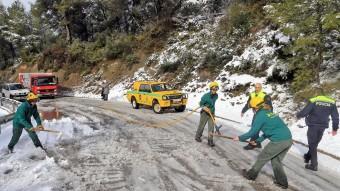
<point>226,137</point>
<point>48,130</point>
<point>54,131</point>
<point>217,127</point>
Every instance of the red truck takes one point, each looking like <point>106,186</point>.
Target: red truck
<point>42,84</point>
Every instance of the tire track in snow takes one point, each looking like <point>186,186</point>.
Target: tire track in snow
<point>171,149</point>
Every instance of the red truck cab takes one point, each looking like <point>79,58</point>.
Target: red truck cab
<point>42,84</point>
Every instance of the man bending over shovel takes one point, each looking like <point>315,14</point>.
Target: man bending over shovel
<point>280,138</point>
<point>22,120</point>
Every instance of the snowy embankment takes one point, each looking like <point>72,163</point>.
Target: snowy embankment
<point>32,163</point>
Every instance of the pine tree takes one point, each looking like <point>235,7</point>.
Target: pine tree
<point>308,22</point>
<point>18,20</point>
<point>3,15</point>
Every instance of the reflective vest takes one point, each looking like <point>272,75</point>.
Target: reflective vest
<point>323,99</point>
<point>256,98</point>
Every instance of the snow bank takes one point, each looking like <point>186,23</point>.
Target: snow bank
<point>31,164</point>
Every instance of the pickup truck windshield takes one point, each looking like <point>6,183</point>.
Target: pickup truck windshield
<point>16,87</point>
<point>160,87</point>
<point>45,81</point>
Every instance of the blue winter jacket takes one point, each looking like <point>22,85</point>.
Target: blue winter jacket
<point>318,110</point>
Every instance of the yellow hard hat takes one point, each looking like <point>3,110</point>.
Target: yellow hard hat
<point>213,84</point>
<point>31,96</point>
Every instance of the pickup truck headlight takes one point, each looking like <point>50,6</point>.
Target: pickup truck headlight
<point>185,96</point>
<point>165,97</point>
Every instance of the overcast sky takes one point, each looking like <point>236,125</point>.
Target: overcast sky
<point>25,2</point>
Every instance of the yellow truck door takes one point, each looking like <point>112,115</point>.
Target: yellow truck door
<point>147,95</point>
<point>144,90</point>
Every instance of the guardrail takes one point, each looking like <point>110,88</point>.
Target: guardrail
<point>11,105</point>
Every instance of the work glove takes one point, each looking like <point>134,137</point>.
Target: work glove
<point>206,109</point>
<point>38,128</point>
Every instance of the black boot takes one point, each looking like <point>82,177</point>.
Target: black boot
<point>306,158</point>
<point>198,139</point>
<point>42,147</point>
<point>311,167</point>
<point>249,147</point>
<point>10,150</point>
<point>283,186</point>
<point>211,143</point>
<point>245,174</point>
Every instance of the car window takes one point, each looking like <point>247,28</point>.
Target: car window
<point>160,87</point>
<point>145,88</point>
<point>16,87</point>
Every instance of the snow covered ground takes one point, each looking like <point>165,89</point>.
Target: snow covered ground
<point>230,107</point>
<point>108,146</point>
<point>29,168</point>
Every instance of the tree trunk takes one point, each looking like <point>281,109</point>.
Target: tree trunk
<point>320,44</point>
<point>68,34</point>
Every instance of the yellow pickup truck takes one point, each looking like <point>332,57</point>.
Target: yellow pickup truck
<point>158,95</point>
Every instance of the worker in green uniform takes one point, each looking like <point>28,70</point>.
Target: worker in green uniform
<point>207,103</point>
<point>274,129</point>
<point>22,120</point>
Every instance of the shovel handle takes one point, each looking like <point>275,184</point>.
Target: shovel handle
<point>226,137</point>
<point>51,131</point>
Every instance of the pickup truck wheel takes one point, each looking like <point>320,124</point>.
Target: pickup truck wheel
<point>180,108</point>
<point>156,107</point>
<point>134,103</point>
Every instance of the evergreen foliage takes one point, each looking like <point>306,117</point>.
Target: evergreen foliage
<point>308,22</point>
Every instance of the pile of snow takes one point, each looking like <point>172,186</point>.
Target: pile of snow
<point>32,163</point>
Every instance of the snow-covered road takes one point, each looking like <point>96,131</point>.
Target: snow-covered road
<point>110,146</point>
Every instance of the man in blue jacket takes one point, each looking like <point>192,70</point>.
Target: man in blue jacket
<point>207,103</point>
<point>316,114</point>
<point>274,129</point>
<point>22,120</point>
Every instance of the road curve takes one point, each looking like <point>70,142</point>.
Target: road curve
<point>127,152</point>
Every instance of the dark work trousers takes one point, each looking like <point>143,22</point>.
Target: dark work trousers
<point>314,136</point>
<point>205,118</point>
<point>274,152</point>
<point>17,131</point>
<point>105,97</point>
